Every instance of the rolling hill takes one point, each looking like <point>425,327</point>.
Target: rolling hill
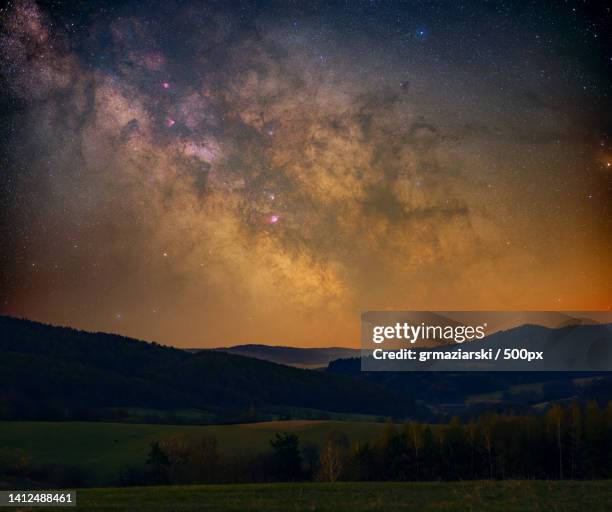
<point>49,372</point>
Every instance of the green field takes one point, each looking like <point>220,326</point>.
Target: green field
<point>540,496</point>
<point>104,449</point>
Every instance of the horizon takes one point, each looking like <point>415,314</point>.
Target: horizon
<point>605,319</point>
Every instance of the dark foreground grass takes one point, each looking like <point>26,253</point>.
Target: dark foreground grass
<point>356,497</point>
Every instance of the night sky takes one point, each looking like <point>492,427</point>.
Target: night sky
<point>213,173</point>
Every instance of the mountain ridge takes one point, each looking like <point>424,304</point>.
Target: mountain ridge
<point>48,367</point>
<point>300,357</point>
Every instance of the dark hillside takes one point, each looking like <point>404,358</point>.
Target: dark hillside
<point>45,368</point>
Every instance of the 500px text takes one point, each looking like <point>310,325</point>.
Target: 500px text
<point>458,354</point>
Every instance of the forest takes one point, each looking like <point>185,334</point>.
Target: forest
<point>566,442</point>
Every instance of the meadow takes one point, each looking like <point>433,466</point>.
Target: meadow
<point>482,496</point>
<point>104,449</point>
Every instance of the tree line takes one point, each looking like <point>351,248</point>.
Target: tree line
<point>567,442</point>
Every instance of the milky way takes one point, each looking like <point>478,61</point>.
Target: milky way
<point>218,173</point>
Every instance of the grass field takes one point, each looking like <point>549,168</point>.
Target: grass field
<point>508,496</point>
<point>104,449</point>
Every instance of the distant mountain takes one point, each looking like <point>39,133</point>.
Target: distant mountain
<point>321,357</point>
<point>54,371</point>
<point>292,356</point>
<point>550,319</point>
<point>577,344</point>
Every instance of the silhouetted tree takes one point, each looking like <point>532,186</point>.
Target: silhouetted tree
<point>159,463</point>
<point>287,458</point>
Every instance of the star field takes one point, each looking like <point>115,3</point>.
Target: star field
<point>225,172</point>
